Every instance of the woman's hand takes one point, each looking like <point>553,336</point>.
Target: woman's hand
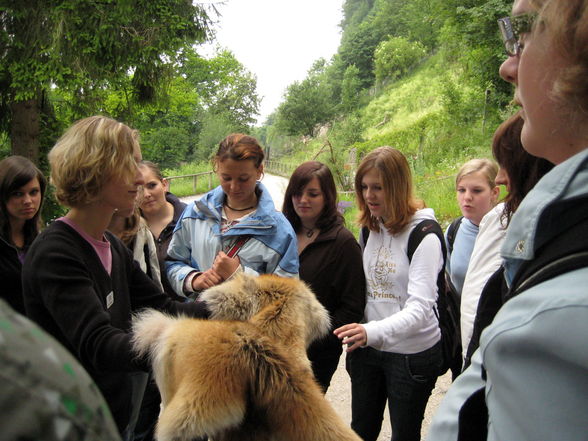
<point>225,266</point>
<point>205,280</point>
<point>352,335</point>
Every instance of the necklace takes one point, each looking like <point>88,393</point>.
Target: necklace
<point>309,231</point>
<point>239,209</point>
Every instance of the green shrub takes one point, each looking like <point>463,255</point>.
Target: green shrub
<point>394,57</point>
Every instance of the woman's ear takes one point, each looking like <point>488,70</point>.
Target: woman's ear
<point>165,184</point>
<point>495,193</point>
<point>260,173</point>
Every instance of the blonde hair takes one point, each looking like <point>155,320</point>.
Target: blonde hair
<point>92,151</point>
<point>400,203</point>
<point>485,166</point>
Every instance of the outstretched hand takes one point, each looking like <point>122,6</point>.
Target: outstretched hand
<point>353,335</point>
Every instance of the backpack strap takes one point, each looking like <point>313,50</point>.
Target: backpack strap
<point>419,232</point>
<point>452,232</point>
<point>416,236</point>
<point>365,233</point>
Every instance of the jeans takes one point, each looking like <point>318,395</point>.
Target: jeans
<point>404,380</point>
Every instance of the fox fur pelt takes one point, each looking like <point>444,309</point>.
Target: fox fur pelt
<point>244,374</point>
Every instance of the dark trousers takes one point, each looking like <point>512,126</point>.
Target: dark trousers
<point>404,380</point>
<point>323,370</point>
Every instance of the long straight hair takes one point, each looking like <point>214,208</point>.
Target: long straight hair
<point>400,204</point>
<point>16,171</point>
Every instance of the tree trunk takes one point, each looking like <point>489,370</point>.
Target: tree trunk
<point>25,129</point>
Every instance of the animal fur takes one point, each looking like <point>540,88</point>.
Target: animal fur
<point>243,375</point>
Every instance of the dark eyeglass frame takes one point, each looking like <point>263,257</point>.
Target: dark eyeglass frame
<point>511,29</point>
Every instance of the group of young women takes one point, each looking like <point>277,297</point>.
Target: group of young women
<point>82,284</point>
<point>381,303</point>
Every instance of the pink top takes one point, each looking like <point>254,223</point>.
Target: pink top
<point>102,247</point>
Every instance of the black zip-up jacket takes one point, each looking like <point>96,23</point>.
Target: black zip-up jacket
<point>332,266</point>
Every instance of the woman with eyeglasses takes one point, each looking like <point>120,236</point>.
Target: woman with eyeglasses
<point>529,378</point>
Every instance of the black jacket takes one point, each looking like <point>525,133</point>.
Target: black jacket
<point>68,292</point>
<point>10,276</point>
<point>332,266</point>
<point>162,242</point>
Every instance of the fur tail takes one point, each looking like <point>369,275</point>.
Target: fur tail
<point>149,328</point>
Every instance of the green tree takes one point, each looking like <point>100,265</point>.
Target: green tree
<point>226,87</point>
<point>83,46</point>
<point>306,103</point>
<point>355,11</point>
<point>350,89</point>
<point>215,126</point>
<point>357,48</point>
<point>395,56</point>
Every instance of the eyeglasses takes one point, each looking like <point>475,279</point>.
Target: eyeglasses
<point>511,29</point>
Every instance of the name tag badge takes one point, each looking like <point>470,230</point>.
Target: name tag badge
<point>109,300</point>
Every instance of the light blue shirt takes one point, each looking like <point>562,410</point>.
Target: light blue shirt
<point>459,259</point>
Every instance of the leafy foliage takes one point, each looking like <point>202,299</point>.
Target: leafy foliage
<point>395,56</point>
<point>307,103</point>
<point>226,87</point>
<point>83,47</point>
<point>350,89</point>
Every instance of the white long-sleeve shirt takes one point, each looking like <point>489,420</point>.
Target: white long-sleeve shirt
<point>484,262</point>
<point>399,312</point>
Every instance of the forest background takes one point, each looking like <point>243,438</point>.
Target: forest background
<point>418,75</point>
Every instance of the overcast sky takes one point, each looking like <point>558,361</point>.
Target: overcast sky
<point>278,40</point>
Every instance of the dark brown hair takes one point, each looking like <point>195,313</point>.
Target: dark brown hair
<point>153,167</point>
<point>299,179</point>
<point>16,171</point>
<point>523,169</point>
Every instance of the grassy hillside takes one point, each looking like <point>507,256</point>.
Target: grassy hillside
<point>433,115</point>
